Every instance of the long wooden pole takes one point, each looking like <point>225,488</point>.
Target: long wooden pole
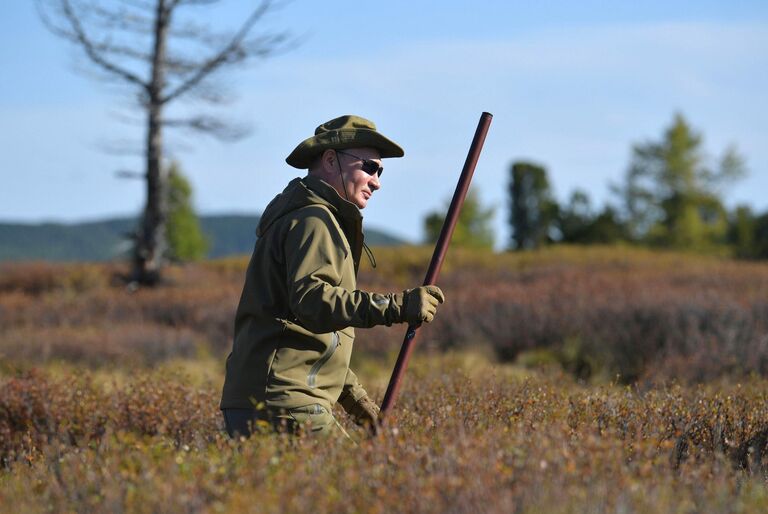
<point>437,258</point>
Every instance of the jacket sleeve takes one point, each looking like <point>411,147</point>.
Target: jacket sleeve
<point>315,259</point>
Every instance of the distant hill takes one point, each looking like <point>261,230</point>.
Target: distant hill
<point>105,240</point>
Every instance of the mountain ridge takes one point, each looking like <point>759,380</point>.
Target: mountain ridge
<point>107,239</point>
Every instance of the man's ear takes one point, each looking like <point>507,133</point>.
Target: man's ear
<point>328,160</point>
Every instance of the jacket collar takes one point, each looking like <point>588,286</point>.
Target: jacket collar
<point>329,194</point>
<point>349,215</point>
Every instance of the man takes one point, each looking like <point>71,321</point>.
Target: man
<point>294,327</point>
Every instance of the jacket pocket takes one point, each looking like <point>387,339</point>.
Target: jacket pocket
<point>325,357</point>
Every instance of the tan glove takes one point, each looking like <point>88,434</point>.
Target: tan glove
<point>365,413</point>
<point>420,304</point>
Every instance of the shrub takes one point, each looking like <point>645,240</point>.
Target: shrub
<point>603,312</point>
<point>458,441</point>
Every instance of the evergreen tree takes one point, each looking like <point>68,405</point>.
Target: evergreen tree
<point>579,224</point>
<point>533,210</point>
<point>671,194</point>
<point>761,236</point>
<point>186,241</point>
<point>741,232</point>
<point>575,218</point>
<point>473,228</point>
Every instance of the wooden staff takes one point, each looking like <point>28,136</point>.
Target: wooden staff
<point>437,258</point>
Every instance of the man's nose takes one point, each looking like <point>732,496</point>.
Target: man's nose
<point>374,183</point>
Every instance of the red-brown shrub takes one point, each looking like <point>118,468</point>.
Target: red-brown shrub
<point>601,312</point>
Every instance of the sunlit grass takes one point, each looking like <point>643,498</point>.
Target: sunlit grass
<point>467,435</point>
<point>109,399</point>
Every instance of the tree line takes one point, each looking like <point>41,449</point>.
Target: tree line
<point>671,196</point>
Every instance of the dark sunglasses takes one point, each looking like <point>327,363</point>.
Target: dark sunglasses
<point>369,166</point>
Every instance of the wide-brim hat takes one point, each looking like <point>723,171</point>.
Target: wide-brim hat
<point>343,132</point>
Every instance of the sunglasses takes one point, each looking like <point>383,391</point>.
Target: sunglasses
<point>369,166</point>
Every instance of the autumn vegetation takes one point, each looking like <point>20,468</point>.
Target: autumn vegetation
<point>601,379</point>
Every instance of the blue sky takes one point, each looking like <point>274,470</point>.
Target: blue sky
<point>572,85</point>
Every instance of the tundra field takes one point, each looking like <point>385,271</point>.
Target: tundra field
<point>567,380</point>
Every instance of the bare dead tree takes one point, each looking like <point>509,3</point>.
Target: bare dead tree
<point>129,42</point>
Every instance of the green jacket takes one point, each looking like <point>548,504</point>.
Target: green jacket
<point>294,327</point>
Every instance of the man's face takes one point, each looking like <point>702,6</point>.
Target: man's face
<point>360,185</point>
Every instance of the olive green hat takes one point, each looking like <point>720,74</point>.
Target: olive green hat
<point>342,132</point>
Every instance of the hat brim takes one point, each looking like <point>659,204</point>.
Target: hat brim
<point>302,156</point>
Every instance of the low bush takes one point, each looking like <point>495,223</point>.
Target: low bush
<point>458,441</point>
<point>601,312</point>
<point>638,316</point>
<point>36,278</point>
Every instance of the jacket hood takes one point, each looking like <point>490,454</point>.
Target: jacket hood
<point>301,192</point>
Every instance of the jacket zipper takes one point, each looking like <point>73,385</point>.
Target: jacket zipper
<point>312,377</point>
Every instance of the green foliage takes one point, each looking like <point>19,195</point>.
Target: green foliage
<point>671,194</point>
<point>761,236</point>
<point>473,228</point>
<point>748,234</point>
<point>741,232</point>
<point>578,223</point>
<point>186,241</point>
<point>534,211</point>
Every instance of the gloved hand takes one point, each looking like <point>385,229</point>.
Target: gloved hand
<point>365,413</point>
<point>420,304</point>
